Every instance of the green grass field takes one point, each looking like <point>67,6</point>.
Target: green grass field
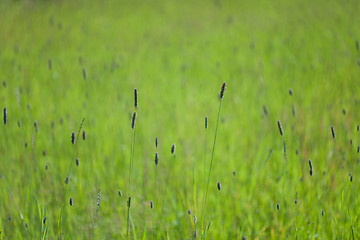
<point>65,61</point>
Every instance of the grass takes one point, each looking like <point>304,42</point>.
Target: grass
<point>61,61</point>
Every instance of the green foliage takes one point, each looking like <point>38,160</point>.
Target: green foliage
<point>62,61</point>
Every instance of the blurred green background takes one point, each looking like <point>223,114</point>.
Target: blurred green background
<point>177,54</point>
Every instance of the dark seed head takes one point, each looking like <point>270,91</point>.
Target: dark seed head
<point>189,211</point>
<point>290,92</point>
<point>156,142</point>
<point>84,73</point>
<point>36,126</point>
<point>358,149</point>
<point>5,116</point>
<point>44,153</point>
<point>71,202</point>
<point>234,172</point>
<point>296,201</point>
<point>219,186</point>
<point>77,161</point>
<point>350,141</point>
<point>129,202</point>
<point>243,238</point>
<point>84,135</point>
<point>278,206</point>
<point>333,132</point>
<point>358,128</point>
<point>195,234</point>
<point>173,148</point>
<point>98,199</point>
<point>280,127</point>
<point>293,110</point>
<point>206,122</point>
<point>265,110</point>
<point>344,111</point>
<point>26,144</point>
<point>73,136</point>
<point>133,122</point>
<point>156,158</point>
<point>351,177</point>
<point>44,221</point>
<point>135,97</point>
<point>222,92</point>
<point>151,204</point>
<point>120,193</point>
<point>66,180</point>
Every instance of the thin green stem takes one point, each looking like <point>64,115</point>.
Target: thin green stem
<point>130,173</point>
<point>212,157</point>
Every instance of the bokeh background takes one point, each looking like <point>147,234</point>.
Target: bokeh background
<point>63,61</point>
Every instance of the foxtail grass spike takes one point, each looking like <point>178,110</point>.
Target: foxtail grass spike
<point>84,73</point>
<point>84,135</point>
<point>265,110</point>
<point>311,167</point>
<point>333,132</point>
<point>77,161</point>
<point>173,148</point>
<point>98,199</point>
<point>222,92</point>
<point>156,158</point>
<point>133,122</point>
<point>71,201</point>
<point>290,92</point>
<point>129,202</point>
<point>151,204</point>
<point>293,110</point>
<point>73,137</point>
<point>278,206</point>
<point>5,116</point>
<point>156,142</point>
<point>280,128</point>
<point>135,97</point>
<point>206,122</point>
<point>219,186</point>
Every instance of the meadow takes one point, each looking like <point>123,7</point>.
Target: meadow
<point>274,155</point>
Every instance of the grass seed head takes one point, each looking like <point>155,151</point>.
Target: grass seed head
<point>36,126</point>
<point>278,206</point>
<point>120,193</point>
<point>50,63</point>
<point>5,116</point>
<point>333,132</point>
<point>77,161</point>
<point>243,238</point>
<point>265,110</point>
<point>222,92</point>
<point>71,201</point>
<point>73,137</point>
<point>206,122</point>
<point>133,122</point>
<point>84,73</point>
<point>311,167</point>
<point>135,97</point>
<point>156,158</point>
<point>219,186</point>
<point>84,135</point>
<point>280,128</point>
<point>189,211</point>
<point>129,202</point>
<point>173,148</point>
<point>293,110</point>
<point>98,199</point>
<point>156,142</point>
<point>290,91</point>
<point>151,204</point>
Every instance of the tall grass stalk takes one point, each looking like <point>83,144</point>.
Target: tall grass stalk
<point>133,123</point>
<point>167,182</point>
<point>74,141</point>
<point>222,92</point>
